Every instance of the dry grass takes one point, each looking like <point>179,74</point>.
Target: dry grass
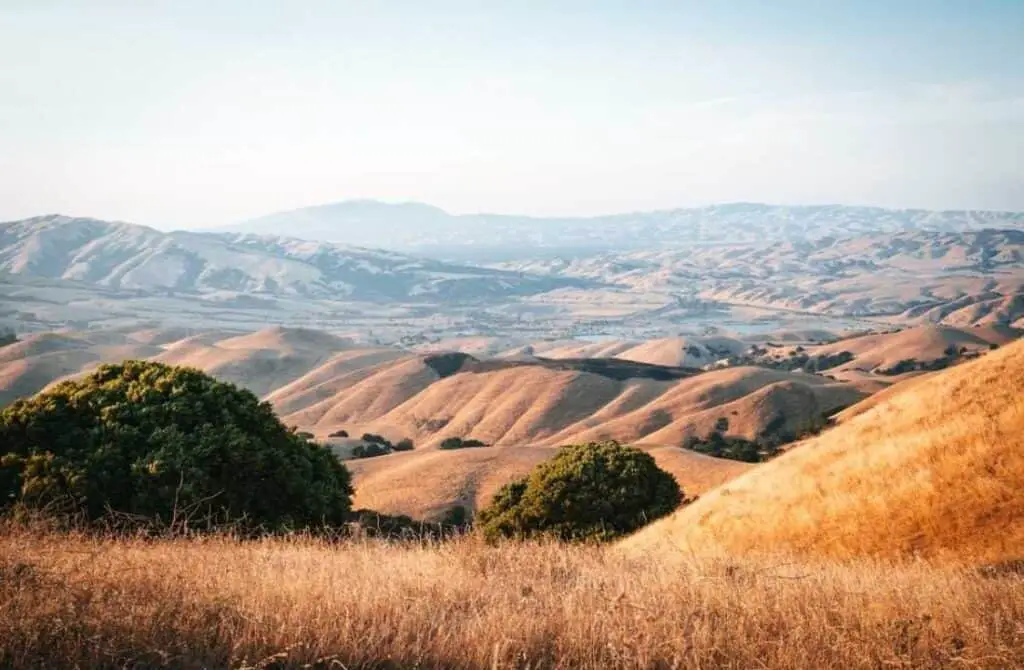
<point>78,602</point>
<point>935,469</point>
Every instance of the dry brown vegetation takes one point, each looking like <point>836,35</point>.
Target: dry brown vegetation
<point>79,602</point>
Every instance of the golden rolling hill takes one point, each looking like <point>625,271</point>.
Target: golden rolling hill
<point>878,360</point>
<point>553,403</point>
<point>557,395</point>
<point>934,469</point>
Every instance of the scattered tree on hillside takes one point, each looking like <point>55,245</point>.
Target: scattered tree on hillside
<point>797,359</point>
<point>405,444</point>
<point>154,441</point>
<point>369,450</point>
<point>766,445</point>
<point>733,448</point>
<point>379,446</point>
<point>588,492</point>
<point>458,443</point>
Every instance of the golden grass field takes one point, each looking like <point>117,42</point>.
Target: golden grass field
<point>217,603</point>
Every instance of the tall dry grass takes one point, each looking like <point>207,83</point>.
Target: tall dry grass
<point>72,601</point>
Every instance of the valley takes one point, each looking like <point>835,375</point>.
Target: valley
<point>521,398</point>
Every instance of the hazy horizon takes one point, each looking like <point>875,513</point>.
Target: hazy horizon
<point>514,214</point>
<point>207,114</point>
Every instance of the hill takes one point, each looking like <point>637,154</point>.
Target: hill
<point>960,277</point>
<point>729,270</point>
<point>325,383</point>
<point>134,258</point>
<point>35,361</point>
<point>548,403</point>
<point>935,469</point>
<point>875,360</point>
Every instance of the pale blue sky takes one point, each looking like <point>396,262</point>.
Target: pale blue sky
<point>187,113</point>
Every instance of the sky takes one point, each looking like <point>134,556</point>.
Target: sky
<point>190,114</point>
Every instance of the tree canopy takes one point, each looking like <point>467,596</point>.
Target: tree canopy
<point>152,440</point>
<point>595,491</point>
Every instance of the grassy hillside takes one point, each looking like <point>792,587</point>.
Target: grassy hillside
<point>935,469</point>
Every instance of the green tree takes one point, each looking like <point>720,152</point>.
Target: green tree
<point>450,443</point>
<point>405,444</point>
<point>597,491</point>
<point>153,440</point>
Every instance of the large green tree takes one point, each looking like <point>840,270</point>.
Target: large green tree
<point>596,491</point>
<point>155,441</point>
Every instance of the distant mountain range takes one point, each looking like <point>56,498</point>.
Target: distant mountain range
<point>427,229</point>
<point>130,257</point>
<point>960,278</point>
<point>914,274</point>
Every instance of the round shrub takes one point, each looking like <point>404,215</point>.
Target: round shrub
<point>157,442</point>
<point>590,492</point>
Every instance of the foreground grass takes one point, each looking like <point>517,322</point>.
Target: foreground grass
<point>73,601</point>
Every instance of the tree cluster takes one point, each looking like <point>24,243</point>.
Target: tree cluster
<point>154,442</point>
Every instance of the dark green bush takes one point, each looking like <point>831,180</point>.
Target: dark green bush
<point>589,492</point>
<point>405,444</point>
<point>456,516</point>
<point>899,368</point>
<point>339,433</point>
<point>370,450</point>
<point>158,442</point>
<point>459,443</point>
<point>733,448</point>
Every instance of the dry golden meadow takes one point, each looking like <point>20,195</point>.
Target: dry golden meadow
<point>73,601</point>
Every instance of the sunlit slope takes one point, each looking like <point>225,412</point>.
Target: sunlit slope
<point>37,360</point>
<point>923,343</point>
<point>935,470</point>
<point>261,361</point>
<point>359,396</point>
<point>323,383</point>
<point>539,405</point>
